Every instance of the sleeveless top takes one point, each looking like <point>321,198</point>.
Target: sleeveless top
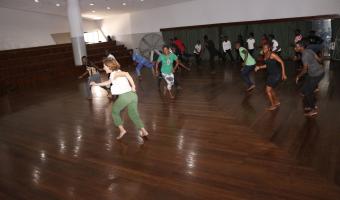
<point>120,85</point>
<point>273,67</point>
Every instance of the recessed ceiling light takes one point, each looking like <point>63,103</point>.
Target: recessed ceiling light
<point>141,0</point>
<point>91,4</point>
<point>108,8</point>
<point>36,1</point>
<point>58,4</point>
<point>93,11</point>
<point>124,4</point>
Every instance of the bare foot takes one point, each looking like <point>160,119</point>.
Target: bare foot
<point>144,132</point>
<point>121,135</point>
<point>271,108</point>
<point>277,104</point>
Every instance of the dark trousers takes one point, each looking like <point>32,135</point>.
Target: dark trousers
<point>212,60</point>
<point>308,88</point>
<point>228,52</point>
<point>198,59</point>
<point>238,57</point>
<point>245,73</point>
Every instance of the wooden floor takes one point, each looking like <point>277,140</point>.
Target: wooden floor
<point>212,142</point>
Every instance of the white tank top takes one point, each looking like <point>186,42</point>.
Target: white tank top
<point>120,85</point>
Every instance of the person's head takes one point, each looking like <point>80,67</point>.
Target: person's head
<point>271,36</point>
<point>251,34</point>
<point>198,41</point>
<point>297,32</point>
<point>175,38</point>
<point>84,59</point>
<point>300,46</point>
<point>237,45</point>
<point>206,38</point>
<point>266,48</point>
<point>166,50</point>
<point>226,38</point>
<point>131,52</point>
<point>110,65</point>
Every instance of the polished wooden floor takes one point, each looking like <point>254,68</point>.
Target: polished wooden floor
<point>213,142</point>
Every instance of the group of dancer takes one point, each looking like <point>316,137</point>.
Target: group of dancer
<point>121,84</point>
<point>312,71</point>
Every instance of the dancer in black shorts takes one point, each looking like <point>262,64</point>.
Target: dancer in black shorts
<point>274,74</point>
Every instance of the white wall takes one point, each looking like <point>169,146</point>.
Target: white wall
<point>222,11</point>
<point>21,29</point>
<point>129,27</point>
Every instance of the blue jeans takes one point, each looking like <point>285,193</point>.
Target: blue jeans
<point>310,84</point>
<point>94,78</point>
<point>141,65</point>
<point>245,73</point>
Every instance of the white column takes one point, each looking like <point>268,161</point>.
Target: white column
<point>76,29</point>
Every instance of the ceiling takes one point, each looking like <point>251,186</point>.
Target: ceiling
<point>100,9</point>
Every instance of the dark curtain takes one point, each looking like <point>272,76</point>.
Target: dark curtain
<point>283,31</point>
<point>336,38</point>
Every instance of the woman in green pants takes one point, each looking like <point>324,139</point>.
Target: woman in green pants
<point>123,86</point>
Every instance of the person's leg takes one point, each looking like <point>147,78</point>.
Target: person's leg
<point>245,75</point>
<point>134,114</point>
<point>308,95</point>
<point>224,56</point>
<point>94,78</point>
<point>138,69</point>
<point>170,80</point>
<point>314,85</point>
<point>212,62</point>
<point>270,97</point>
<point>117,107</point>
<point>197,59</point>
<point>88,92</point>
<point>230,55</point>
<point>275,98</point>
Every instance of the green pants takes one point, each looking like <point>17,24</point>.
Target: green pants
<point>129,100</point>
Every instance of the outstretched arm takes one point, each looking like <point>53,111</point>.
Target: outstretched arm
<point>259,67</point>
<point>105,83</point>
<point>84,74</point>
